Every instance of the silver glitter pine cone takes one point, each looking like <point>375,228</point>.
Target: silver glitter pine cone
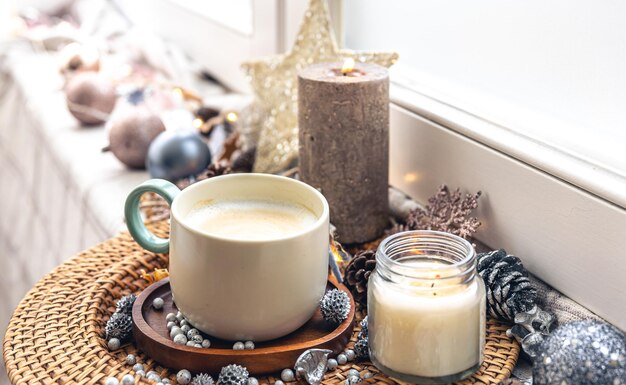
<point>358,273</point>
<point>582,353</point>
<point>335,306</point>
<point>125,304</point>
<point>233,375</point>
<point>361,349</point>
<point>202,379</point>
<point>508,287</point>
<point>119,326</point>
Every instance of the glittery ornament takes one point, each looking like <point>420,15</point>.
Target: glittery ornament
<point>183,377</point>
<point>361,349</point>
<point>125,304</point>
<point>311,365</point>
<point>335,306</point>
<point>233,375</point>
<point>582,353</point>
<point>119,326</point>
<point>202,379</point>
<point>274,81</point>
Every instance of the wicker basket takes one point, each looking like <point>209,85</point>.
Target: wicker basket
<point>56,333</point>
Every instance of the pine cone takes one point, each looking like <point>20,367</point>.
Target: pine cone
<point>364,333</point>
<point>119,326</point>
<point>202,379</point>
<point>508,287</point>
<point>335,306</point>
<point>233,375</point>
<point>361,349</point>
<point>125,304</point>
<point>358,272</point>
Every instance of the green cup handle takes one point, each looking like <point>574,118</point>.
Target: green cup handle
<point>137,229</point>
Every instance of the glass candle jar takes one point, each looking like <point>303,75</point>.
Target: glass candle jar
<point>426,306</point>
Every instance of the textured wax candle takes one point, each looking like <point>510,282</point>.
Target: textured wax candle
<point>343,119</point>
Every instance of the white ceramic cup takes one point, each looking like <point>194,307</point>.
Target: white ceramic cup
<point>240,289</point>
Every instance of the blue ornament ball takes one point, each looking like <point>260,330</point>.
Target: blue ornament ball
<point>582,353</point>
<point>174,155</point>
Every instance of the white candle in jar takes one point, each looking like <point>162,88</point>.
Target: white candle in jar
<point>431,327</point>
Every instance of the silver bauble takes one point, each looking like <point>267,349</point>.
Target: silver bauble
<point>174,155</point>
<point>582,353</point>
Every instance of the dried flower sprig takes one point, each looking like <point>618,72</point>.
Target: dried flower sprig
<point>446,211</point>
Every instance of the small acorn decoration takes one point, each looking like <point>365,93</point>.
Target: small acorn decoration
<point>358,273</point>
<point>132,128</point>
<point>335,306</point>
<point>90,97</point>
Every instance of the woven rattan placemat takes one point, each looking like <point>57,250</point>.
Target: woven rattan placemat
<point>56,333</point>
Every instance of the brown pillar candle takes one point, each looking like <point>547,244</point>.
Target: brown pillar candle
<point>343,119</point>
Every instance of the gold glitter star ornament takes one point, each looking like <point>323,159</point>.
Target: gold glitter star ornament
<point>274,81</point>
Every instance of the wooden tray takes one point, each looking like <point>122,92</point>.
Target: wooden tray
<point>152,337</point>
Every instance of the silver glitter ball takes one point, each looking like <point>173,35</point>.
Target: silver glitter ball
<point>354,372</point>
<point>239,346</point>
<point>253,381</point>
<point>342,359</point>
<point>131,360</point>
<point>114,344</point>
<point>351,380</point>
<point>185,329</point>
<point>582,353</point>
<point>350,354</point>
<point>158,303</point>
<point>175,331</point>
<point>111,381</point>
<point>183,377</point>
<point>287,375</point>
<point>249,345</point>
<point>171,317</point>
<point>192,332</point>
<point>128,379</point>
<point>137,367</point>
<point>180,339</point>
<point>332,364</point>
<point>206,343</point>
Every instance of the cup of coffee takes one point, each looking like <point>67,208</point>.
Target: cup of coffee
<point>248,252</point>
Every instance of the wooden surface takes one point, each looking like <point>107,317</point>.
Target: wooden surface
<point>152,337</point>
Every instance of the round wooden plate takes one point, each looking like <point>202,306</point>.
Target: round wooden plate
<point>152,337</point>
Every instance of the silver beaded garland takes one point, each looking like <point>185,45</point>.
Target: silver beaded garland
<point>180,339</point>
<point>287,375</point>
<point>128,380</point>
<point>131,360</point>
<point>158,303</point>
<point>183,377</point>
<point>114,344</point>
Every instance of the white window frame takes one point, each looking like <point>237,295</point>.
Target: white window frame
<point>565,217</point>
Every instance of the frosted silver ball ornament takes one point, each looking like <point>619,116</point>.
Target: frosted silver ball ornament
<point>158,303</point>
<point>342,359</point>
<point>128,380</point>
<point>180,339</point>
<point>137,367</point>
<point>249,345</point>
<point>287,375</point>
<point>183,377</point>
<point>113,344</point>
<point>582,353</point>
<point>239,345</point>
<point>332,364</point>
<point>131,360</point>
<point>174,155</point>
<point>111,381</point>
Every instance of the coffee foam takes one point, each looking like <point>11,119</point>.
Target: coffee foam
<point>250,219</point>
